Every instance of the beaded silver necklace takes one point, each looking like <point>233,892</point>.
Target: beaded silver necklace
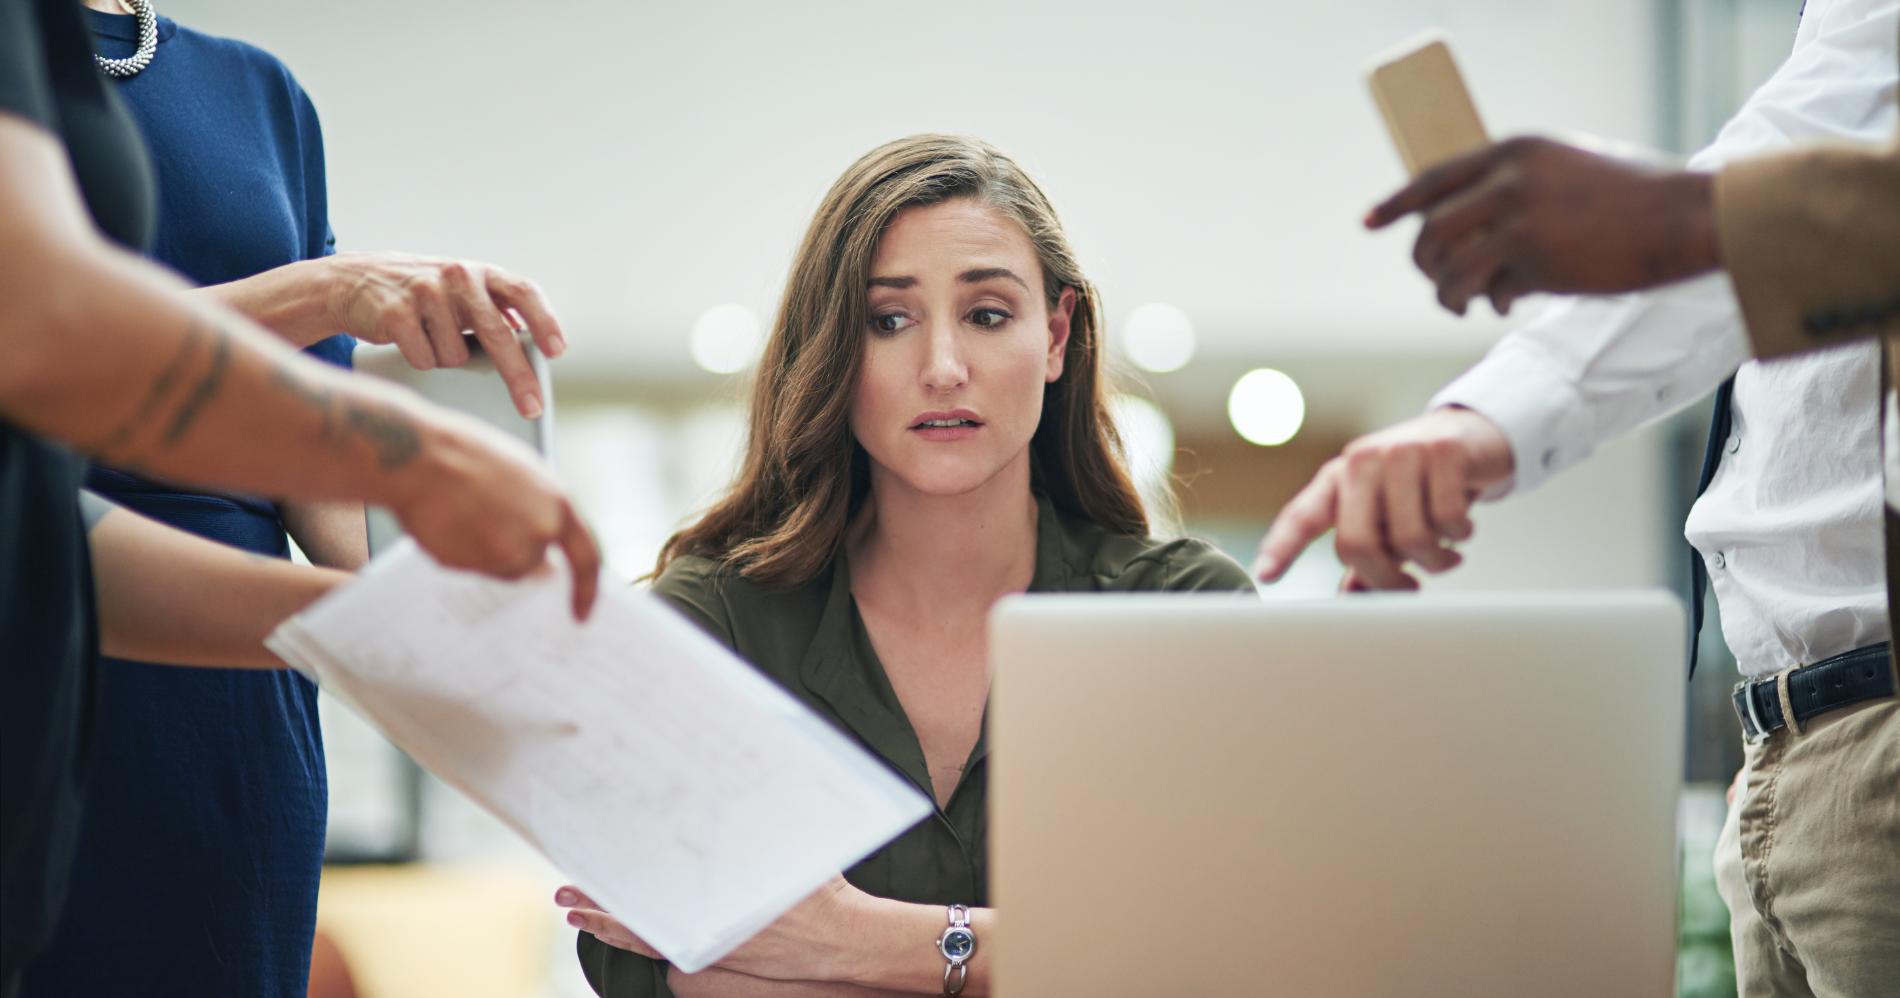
<point>129,66</point>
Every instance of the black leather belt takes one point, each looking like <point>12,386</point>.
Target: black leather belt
<point>1861,674</point>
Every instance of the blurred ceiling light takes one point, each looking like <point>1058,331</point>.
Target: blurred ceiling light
<point>1266,407</point>
<point>725,338</point>
<point>1158,337</point>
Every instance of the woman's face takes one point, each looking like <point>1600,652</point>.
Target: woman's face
<point>960,344</point>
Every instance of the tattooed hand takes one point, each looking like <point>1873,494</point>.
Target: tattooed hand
<point>476,499</point>
<point>473,498</point>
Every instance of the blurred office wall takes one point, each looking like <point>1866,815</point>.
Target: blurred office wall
<point>649,161</point>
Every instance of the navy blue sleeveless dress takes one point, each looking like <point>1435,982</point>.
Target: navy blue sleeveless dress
<point>195,870</point>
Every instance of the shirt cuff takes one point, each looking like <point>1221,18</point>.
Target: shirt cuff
<point>1539,410</point>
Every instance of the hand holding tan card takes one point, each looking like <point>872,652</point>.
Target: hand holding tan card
<point>1426,107</point>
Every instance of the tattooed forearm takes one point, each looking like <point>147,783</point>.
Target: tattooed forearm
<point>161,388</point>
<point>321,399</point>
<point>395,440</point>
<point>204,391</point>
<point>208,363</point>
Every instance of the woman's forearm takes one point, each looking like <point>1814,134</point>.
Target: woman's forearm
<point>168,596</point>
<point>895,951</point>
<point>333,533</point>
<point>292,301</point>
<point>716,983</point>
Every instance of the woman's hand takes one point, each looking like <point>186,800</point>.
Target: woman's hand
<point>812,942</point>
<point>478,500</point>
<point>422,305</point>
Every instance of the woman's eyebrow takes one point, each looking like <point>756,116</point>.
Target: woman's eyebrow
<point>976,276</point>
<point>990,273</point>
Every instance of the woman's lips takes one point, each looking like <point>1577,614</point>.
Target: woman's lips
<point>962,431</point>
<point>955,424</point>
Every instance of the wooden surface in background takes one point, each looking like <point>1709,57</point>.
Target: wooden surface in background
<point>1220,477</point>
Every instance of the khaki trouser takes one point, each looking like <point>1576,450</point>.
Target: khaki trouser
<point>1809,859</point>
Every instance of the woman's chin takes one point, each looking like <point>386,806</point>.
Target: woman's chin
<point>946,480</point>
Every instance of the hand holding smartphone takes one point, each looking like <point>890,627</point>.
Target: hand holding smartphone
<point>1426,107</point>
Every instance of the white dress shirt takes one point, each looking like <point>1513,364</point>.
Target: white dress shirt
<point>1790,528</point>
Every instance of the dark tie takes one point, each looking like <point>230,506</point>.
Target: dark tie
<point>1719,425</point>
<point>1889,378</point>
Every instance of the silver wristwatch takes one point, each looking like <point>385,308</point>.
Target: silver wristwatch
<point>958,945</point>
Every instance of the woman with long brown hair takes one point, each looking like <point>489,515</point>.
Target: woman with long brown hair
<point>928,433</point>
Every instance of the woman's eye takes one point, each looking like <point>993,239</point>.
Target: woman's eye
<point>889,322</point>
<point>989,318</point>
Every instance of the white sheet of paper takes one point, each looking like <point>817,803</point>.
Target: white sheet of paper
<point>683,790</point>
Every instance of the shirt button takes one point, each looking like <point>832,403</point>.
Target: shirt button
<point>1719,560</point>
<point>1734,442</point>
<point>1550,457</point>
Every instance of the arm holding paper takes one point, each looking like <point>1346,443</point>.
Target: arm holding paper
<point>840,941</point>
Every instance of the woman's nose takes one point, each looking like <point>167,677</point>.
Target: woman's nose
<point>944,365</point>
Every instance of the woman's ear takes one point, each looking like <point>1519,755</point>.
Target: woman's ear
<point>1059,319</point>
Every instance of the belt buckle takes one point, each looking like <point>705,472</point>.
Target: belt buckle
<point>1754,732</point>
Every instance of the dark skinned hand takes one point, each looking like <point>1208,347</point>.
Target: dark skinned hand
<point>1529,214</point>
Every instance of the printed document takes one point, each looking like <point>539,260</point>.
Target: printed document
<point>672,782</point>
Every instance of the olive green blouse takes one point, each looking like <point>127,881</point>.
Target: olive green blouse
<point>811,640</point>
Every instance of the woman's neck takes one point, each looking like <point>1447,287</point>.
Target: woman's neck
<point>926,552</point>
<point>104,6</point>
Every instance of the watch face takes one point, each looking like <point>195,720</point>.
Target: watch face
<point>957,944</point>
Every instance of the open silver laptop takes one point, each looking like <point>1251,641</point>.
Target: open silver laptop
<point>1388,796</point>
<point>475,389</point>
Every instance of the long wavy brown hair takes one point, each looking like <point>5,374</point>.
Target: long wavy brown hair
<point>804,474</point>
